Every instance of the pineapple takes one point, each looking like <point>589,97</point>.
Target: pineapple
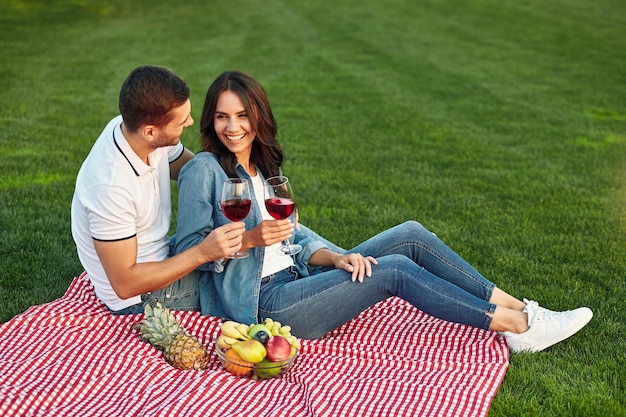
<point>161,330</point>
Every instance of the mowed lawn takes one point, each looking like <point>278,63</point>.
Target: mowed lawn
<point>501,126</point>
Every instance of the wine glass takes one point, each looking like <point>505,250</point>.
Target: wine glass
<point>236,204</point>
<point>280,204</point>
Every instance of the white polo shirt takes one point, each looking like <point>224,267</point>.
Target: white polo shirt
<point>118,196</point>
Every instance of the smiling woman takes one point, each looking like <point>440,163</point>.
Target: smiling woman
<point>405,261</point>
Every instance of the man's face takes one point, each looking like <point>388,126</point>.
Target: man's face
<point>170,134</point>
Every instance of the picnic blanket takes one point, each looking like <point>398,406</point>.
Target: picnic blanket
<point>71,357</point>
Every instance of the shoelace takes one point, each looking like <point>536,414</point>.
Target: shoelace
<point>533,309</point>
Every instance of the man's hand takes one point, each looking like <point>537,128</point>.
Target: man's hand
<point>223,241</point>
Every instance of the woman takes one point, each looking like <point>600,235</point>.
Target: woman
<point>323,286</point>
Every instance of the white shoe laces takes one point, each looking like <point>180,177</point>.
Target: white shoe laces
<point>535,311</point>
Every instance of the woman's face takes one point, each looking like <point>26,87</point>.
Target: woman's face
<point>232,125</point>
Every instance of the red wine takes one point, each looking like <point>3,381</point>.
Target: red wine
<point>280,208</point>
<point>236,209</point>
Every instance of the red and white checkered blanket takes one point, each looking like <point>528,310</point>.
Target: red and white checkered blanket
<point>71,357</point>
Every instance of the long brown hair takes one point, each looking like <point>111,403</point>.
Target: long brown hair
<point>266,155</point>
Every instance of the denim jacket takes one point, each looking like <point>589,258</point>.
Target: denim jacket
<point>228,289</point>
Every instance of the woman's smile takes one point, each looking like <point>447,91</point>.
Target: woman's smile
<point>236,138</point>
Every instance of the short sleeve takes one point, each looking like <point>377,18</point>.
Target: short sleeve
<point>111,213</point>
<point>175,152</point>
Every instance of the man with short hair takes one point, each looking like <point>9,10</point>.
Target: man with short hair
<point>121,207</point>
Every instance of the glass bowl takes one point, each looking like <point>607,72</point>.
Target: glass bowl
<point>260,370</point>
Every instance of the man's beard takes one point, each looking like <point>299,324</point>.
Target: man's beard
<point>165,140</point>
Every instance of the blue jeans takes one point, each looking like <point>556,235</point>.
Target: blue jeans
<point>183,294</point>
<point>413,264</point>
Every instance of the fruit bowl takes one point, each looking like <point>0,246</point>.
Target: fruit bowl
<point>262,370</point>
<point>258,351</point>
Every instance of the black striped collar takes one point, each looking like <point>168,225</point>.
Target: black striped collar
<point>122,152</point>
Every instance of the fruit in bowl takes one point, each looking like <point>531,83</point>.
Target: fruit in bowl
<point>264,369</point>
<point>259,351</point>
<point>278,349</point>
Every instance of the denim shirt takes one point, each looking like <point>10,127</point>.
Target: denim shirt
<point>228,288</point>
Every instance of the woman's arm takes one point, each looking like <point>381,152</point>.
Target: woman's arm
<point>360,266</point>
<point>196,194</point>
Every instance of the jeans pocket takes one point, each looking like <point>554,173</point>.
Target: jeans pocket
<point>183,294</point>
<point>186,302</point>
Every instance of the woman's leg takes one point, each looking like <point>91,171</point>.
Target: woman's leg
<point>414,241</point>
<point>430,276</point>
<point>426,249</point>
<point>315,305</point>
<point>501,298</point>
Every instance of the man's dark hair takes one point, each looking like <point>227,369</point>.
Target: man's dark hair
<point>148,94</point>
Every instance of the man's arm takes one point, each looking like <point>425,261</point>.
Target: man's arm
<point>129,278</point>
<point>176,166</point>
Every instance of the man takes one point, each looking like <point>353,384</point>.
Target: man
<point>121,207</point>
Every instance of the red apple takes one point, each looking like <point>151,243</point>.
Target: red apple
<point>278,348</point>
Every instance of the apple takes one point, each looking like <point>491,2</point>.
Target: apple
<point>278,349</point>
<point>250,350</point>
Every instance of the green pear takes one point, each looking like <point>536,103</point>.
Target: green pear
<point>250,350</point>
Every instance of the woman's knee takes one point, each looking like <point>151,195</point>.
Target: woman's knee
<point>397,262</point>
<point>412,230</point>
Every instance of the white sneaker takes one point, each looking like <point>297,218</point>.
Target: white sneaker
<point>546,327</point>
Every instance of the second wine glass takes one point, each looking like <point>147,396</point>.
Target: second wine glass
<point>236,203</point>
<point>280,204</point>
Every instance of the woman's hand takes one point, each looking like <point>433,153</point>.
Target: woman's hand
<point>267,233</point>
<point>359,265</point>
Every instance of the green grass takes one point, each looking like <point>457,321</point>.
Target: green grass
<point>501,126</point>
